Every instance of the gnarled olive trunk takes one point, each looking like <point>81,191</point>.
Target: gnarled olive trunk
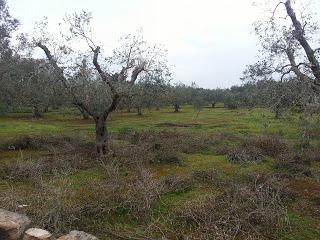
<point>213,105</point>
<point>101,136</point>
<point>35,112</point>
<point>139,110</point>
<point>176,108</point>
<point>46,109</point>
<point>277,112</point>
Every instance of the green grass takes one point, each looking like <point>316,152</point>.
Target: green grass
<point>302,228</point>
<point>218,120</point>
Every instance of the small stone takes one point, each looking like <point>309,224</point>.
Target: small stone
<point>78,235</point>
<point>12,225</point>
<point>37,234</point>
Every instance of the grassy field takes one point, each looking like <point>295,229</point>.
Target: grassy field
<point>163,167</point>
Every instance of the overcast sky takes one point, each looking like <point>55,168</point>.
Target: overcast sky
<point>209,41</point>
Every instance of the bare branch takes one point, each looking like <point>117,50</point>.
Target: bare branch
<point>286,73</point>
<point>104,76</point>
<point>135,73</point>
<point>53,62</point>
<point>282,68</point>
<point>59,71</point>
<point>274,11</point>
<point>303,64</point>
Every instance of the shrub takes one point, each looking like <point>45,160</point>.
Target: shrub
<point>55,204</point>
<point>276,183</point>
<point>223,149</point>
<point>269,145</point>
<point>243,155</point>
<point>35,168</point>
<point>48,143</point>
<point>135,195</point>
<point>295,163</point>
<point>211,176</point>
<point>138,155</point>
<point>130,155</point>
<point>177,184</point>
<point>244,212</point>
<point>22,170</point>
<point>171,141</point>
<point>50,206</point>
<point>167,156</point>
<point>141,195</point>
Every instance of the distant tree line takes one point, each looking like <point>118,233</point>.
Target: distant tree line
<point>31,83</point>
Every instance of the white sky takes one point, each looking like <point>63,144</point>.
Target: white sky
<point>209,41</point>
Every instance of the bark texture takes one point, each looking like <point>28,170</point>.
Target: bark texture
<point>36,112</point>
<point>139,110</point>
<point>101,136</point>
<point>299,34</point>
<point>176,108</point>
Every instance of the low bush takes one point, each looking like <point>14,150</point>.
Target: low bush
<point>141,195</point>
<point>167,157</point>
<point>177,184</point>
<point>138,155</point>
<point>269,145</point>
<point>50,205</point>
<point>240,212</point>
<point>171,141</point>
<point>43,143</point>
<point>36,168</point>
<point>297,163</point>
<point>276,183</point>
<point>243,155</point>
<point>131,155</point>
<point>57,206</point>
<point>211,176</point>
<point>135,196</point>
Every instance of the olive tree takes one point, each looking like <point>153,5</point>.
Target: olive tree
<point>148,93</point>
<point>98,86</point>
<point>286,49</point>
<point>213,96</point>
<point>36,86</point>
<point>178,95</point>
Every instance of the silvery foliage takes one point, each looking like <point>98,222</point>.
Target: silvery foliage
<point>73,48</point>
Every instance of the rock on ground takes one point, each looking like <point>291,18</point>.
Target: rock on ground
<point>78,235</point>
<point>37,234</point>
<point>12,225</point>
